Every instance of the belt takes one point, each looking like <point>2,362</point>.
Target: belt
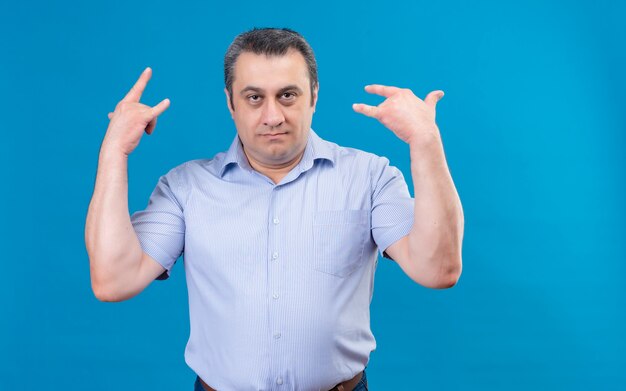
<point>347,385</point>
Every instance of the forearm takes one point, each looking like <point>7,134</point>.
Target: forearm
<point>111,241</point>
<point>436,237</point>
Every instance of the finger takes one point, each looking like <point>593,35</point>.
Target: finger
<point>370,111</point>
<point>379,89</point>
<point>161,107</point>
<point>433,97</point>
<point>135,93</point>
<point>151,125</point>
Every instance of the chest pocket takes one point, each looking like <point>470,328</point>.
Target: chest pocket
<point>339,241</point>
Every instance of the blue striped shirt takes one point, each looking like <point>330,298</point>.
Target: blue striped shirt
<point>280,276</point>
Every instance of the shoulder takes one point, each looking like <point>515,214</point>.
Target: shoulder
<point>361,169</point>
<point>194,166</point>
<point>349,158</point>
<point>191,172</point>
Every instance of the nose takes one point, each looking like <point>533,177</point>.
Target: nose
<point>272,114</point>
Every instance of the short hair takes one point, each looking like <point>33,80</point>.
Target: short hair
<point>271,42</point>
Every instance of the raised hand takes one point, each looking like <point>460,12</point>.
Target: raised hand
<point>409,117</point>
<point>131,118</point>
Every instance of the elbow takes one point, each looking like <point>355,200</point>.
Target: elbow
<point>437,261</point>
<point>452,274</point>
<point>108,295</point>
<point>452,277</point>
<point>441,278</point>
<point>104,289</point>
<point>107,285</point>
<point>110,290</point>
<point>446,282</point>
<point>103,295</point>
<point>98,285</point>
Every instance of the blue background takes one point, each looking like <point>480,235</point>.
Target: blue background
<point>533,124</point>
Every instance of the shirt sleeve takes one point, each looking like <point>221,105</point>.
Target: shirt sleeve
<point>160,227</point>
<point>392,206</point>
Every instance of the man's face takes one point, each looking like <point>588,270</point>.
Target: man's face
<point>272,107</point>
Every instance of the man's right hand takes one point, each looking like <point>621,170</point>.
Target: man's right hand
<point>118,266</point>
<point>131,119</point>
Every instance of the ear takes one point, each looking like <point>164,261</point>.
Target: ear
<point>316,91</point>
<point>230,108</point>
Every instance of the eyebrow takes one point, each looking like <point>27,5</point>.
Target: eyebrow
<point>259,90</point>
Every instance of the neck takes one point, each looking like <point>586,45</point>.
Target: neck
<point>276,172</point>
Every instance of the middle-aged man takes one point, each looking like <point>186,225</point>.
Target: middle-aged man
<point>279,233</point>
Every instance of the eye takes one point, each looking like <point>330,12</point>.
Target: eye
<point>254,98</point>
<point>288,96</point>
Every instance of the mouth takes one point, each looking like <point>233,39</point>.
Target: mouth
<point>272,135</point>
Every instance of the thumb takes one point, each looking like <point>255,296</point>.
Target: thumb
<point>433,97</point>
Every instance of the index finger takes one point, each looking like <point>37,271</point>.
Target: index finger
<point>135,93</point>
<point>382,90</point>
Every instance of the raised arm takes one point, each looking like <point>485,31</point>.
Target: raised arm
<point>431,253</point>
<point>118,266</point>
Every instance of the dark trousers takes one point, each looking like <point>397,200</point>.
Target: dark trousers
<point>361,385</point>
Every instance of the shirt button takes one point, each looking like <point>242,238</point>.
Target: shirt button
<point>275,255</point>
<point>276,335</point>
<point>279,380</point>
<point>275,295</point>
<point>276,221</point>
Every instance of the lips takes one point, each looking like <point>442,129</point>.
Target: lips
<point>273,134</point>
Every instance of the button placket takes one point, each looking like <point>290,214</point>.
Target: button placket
<point>274,267</point>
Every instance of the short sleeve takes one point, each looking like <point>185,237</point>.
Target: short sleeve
<point>392,206</point>
<point>160,227</point>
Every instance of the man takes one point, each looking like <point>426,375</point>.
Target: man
<point>280,232</point>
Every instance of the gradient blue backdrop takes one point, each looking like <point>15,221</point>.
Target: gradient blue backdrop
<point>533,124</point>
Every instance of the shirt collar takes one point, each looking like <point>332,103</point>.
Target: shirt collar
<point>315,149</point>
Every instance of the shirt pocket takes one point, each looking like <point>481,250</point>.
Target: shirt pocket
<point>339,241</point>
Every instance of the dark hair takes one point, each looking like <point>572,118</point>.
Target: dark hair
<point>271,42</point>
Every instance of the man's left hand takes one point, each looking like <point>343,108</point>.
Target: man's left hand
<point>409,117</point>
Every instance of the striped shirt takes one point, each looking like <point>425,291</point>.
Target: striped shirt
<point>280,276</point>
